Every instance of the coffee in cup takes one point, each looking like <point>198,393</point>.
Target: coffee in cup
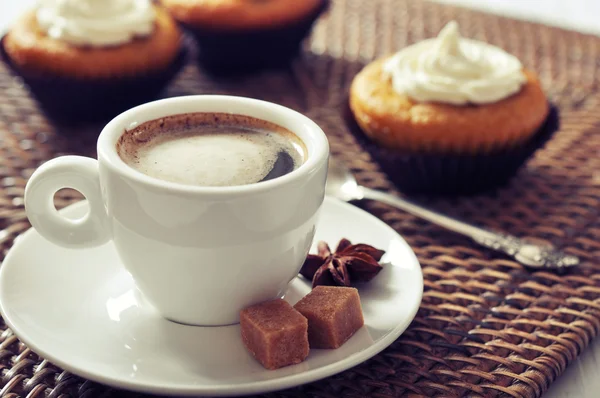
<point>211,149</point>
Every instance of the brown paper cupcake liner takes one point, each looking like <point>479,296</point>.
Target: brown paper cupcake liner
<point>77,100</point>
<point>454,174</point>
<point>225,53</point>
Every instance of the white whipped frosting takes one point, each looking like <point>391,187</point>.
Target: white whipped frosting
<point>455,70</point>
<point>96,22</point>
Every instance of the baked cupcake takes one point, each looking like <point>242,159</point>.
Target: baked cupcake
<point>242,35</point>
<point>450,114</point>
<point>87,59</point>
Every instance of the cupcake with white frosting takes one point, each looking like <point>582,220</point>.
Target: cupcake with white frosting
<point>450,114</point>
<point>94,58</point>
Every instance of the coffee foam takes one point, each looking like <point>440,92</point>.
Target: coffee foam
<point>208,149</point>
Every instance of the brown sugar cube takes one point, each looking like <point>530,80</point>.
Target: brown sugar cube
<point>275,333</point>
<point>334,314</point>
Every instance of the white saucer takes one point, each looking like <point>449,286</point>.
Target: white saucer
<point>80,310</point>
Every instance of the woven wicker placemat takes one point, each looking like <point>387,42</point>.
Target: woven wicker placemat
<point>487,326</point>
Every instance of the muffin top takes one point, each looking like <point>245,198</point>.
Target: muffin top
<point>397,121</point>
<point>241,14</point>
<point>455,70</point>
<point>95,23</point>
<point>448,94</point>
<point>93,38</point>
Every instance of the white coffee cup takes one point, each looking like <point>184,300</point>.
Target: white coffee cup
<point>198,254</point>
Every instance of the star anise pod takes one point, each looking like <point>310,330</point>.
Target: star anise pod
<point>347,265</point>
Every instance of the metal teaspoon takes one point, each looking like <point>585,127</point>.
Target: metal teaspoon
<point>342,185</point>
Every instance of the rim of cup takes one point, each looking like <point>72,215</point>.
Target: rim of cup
<point>304,128</point>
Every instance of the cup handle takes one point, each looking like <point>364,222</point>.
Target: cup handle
<point>76,172</point>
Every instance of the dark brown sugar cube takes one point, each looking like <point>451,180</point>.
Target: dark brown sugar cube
<point>334,314</point>
<point>275,333</point>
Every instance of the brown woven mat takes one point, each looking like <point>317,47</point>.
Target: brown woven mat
<point>486,327</point>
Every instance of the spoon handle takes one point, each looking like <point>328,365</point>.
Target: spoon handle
<point>526,253</point>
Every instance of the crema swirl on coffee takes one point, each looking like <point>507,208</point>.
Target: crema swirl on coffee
<point>211,149</point>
